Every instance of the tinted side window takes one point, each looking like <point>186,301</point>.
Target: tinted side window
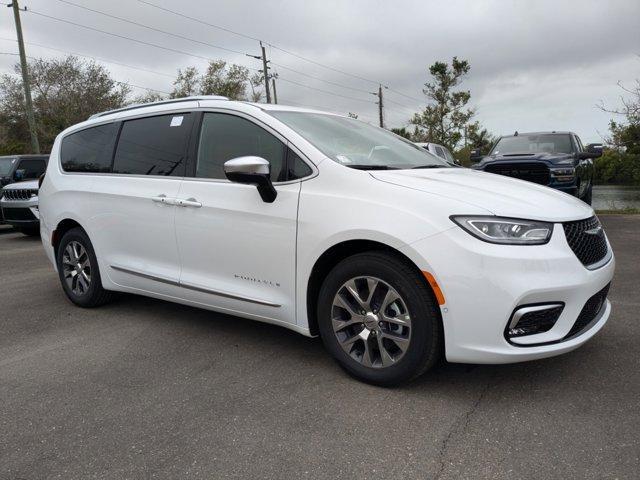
<point>32,168</point>
<point>296,168</point>
<point>224,137</point>
<point>153,145</point>
<point>440,152</point>
<point>89,150</point>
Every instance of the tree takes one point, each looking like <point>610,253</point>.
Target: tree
<point>220,79</point>
<point>625,133</point>
<point>65,91</point>
<point>148,97</point>
<point>403,132</point>
<point>479,138</point>
<point>444,119</point>
<point>620,163</point>
<point>187,83</point>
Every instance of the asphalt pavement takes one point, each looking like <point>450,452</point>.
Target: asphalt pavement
<point>142,388</point>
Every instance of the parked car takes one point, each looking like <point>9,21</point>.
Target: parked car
<point>440,151</point>
<point>19,205</point>
<point>16,168</point>
<point>325,225</point>
<point>555,159</point>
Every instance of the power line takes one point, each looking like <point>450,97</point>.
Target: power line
<point>142,25</point>
<point>324,91</point>
<point>141,87</point>
<point>257,40</point>
<point>90,57</point>
<point>405,95</point>
<point>201,42</point>
<point>228,30</point>
<point>320,79</point>
<point>288,52</point>
<point>124,37</point>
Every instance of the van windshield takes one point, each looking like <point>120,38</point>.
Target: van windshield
<point>6,163</point>
<point>355,144</point>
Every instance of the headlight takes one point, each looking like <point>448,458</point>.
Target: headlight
<point>508,231</point>
<point>563,174</point>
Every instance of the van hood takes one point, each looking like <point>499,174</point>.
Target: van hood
<point>502,196</point>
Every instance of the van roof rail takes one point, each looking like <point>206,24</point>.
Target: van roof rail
<point>161,102</point>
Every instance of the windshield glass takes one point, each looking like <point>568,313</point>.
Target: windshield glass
<point>5,165</point>
<point>355,144</point>
<point>543,143</point>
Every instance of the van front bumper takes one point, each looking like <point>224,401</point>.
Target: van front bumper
<point>483,285</point>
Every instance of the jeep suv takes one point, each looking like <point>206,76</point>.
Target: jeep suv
<point>555,159</point>
<point>18,168</point>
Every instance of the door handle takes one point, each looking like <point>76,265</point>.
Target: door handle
<point>189,202</point>
<point>163,199</point>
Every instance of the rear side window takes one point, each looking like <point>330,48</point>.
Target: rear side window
<point>224,137</point>
<point>153,145</point>
<point>32,168</point>
<point>440,152</point>
<point>89,150</point>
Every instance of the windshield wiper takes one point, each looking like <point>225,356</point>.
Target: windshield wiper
<point>430,166</point>
<point>372,167</point>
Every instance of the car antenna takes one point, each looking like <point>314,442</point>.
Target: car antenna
<point>515,134</point>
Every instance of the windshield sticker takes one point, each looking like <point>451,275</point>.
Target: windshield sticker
<point>176,121</point>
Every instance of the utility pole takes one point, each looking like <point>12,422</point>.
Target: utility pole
<point>35,145</point>
<point>379,102</point>
<point>265,70</point>
<point>273,83</point>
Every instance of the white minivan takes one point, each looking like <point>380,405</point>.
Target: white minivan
<point>325,225</point>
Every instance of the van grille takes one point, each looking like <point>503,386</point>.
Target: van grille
<point>19,193</point>
<point>532,171</point>
<point>587,240</point>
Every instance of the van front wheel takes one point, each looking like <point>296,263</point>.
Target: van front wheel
<point>379,319</point>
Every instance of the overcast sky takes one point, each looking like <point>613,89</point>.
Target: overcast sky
<point>540,65</point>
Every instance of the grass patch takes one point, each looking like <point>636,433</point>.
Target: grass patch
<point>622,211</point>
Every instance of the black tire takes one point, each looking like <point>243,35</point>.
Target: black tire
<point>588,197</point>
<point>425,345</point>
<point>94,295</point>
<point>29,231</point>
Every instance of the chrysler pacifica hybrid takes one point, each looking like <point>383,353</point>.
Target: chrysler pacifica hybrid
<point>325,225</point>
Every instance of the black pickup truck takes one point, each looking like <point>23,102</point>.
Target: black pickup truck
<point>555,159</point>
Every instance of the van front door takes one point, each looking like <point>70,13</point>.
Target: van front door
<point>238,252</point>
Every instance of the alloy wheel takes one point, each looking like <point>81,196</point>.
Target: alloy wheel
<point>76,267</point>
<point>371,322</point>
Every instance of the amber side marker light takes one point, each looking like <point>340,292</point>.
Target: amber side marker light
<point>436,288</point>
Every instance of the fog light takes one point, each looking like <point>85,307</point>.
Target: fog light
<point>532,319</point>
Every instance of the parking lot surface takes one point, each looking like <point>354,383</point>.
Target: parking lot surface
<point>142,388</point>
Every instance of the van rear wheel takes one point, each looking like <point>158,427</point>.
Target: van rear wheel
<point>78,270</point>
<point>379,319</point>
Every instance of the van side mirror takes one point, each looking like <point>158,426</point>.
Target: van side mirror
<point>252,171</point>
<point>475,155</point>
